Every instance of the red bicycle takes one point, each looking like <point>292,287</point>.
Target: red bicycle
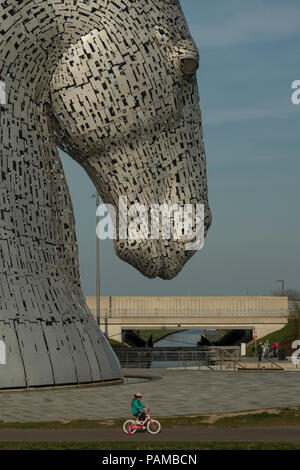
<point>152,425</point>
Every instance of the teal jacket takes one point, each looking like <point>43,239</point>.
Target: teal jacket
<point>136,406</point>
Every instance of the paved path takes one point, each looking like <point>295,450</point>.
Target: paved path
<point>287,434</point>
<point>176,393</point>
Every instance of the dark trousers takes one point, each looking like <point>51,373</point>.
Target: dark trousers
<point>140,415</point>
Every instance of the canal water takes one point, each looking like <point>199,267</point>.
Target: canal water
<point>188,338</point>
<point>181,339</point>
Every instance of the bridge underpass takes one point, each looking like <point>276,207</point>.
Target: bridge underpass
<point>264,314</point>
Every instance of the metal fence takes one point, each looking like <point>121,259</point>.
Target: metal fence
<point>173,358</point>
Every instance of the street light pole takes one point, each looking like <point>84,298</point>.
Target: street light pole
<point>97,267</point>
<point>96,196</point>
<point>282,284</point>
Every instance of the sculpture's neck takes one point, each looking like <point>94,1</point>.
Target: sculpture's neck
<point>37,223</point>
<point>37,226</point>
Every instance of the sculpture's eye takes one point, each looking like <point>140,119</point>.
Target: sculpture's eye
<point>190,65</point>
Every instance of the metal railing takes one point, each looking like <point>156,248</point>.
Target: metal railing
<point>215,358</point>
<point>274,365</point>
<point>211,357</point>
<point>225,356</point>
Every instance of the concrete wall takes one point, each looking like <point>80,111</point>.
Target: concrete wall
<point>198,306</point>
<point>265,314</point>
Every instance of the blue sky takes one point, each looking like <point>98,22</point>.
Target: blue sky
<point>249,57</point>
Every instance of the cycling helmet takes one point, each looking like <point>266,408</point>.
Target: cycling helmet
<point>138,395</point>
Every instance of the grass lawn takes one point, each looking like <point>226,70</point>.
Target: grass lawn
<point>260,418</point>
<point>149,446</point>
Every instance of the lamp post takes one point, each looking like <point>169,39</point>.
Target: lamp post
<point>96,196</point>
<point>282,284</point>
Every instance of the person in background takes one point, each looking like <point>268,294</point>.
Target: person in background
<point>263,354</point>
<point>275,349</point>
<point>267,349</point>
<point>260,350</point>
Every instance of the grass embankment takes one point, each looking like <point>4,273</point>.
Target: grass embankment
<point>274,417</point>
<point>289,333</point>
<point>145,335</point>
<point>260,418</point>
<point>149,446</point>
<point>156,334</point>
<point>160,334</point>
<point>114,343</point>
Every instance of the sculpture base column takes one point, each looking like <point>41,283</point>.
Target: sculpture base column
<point>54,341</point>
<point>54,353</point>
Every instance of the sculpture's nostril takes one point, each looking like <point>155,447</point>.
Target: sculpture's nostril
<point>189,65</point>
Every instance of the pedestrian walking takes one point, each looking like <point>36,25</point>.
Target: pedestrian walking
<point>263,353</point>
<point>267,350</point>
<point>260,350</point>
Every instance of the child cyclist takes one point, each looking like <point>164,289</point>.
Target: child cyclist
<point>138,408</point>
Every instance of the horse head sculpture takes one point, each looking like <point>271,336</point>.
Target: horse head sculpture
<point>126,107</point>
<point>113,84</point>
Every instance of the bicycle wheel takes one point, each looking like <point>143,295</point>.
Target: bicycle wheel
<point>127,424</point>
<point>153,426</point>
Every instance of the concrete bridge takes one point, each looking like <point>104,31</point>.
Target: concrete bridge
<point>264,314</point>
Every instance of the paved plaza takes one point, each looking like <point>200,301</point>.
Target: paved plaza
<point>169,393</point>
